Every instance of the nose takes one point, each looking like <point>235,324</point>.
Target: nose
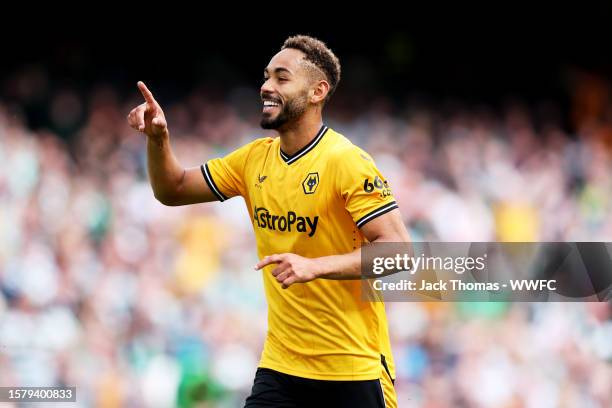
<point>266,88</point>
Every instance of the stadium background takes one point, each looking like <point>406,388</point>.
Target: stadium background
<point>504,138</point>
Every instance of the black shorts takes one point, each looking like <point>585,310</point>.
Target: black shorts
<point>274,389</point>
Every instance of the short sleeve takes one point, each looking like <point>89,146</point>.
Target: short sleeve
<point>363,188</point>
<point>225,175</point>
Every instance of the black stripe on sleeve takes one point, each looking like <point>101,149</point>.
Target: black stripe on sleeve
<point>376,213</point>
<point>211,182</point>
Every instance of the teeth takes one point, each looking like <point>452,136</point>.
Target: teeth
<point>270,103</point>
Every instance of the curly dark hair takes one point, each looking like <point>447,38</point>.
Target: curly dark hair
<point>320,55</point>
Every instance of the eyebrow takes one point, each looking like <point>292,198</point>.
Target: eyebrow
<point>279,70</point>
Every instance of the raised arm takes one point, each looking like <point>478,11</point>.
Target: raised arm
<point>172,184</point>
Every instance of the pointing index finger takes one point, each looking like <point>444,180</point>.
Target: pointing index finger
<point>148,96</point>
<point>267,261</point>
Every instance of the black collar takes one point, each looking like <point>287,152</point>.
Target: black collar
<point>290,159</point>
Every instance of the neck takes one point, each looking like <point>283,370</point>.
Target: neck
<point>299,133</point>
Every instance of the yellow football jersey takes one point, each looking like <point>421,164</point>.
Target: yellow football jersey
<point>312,204</point>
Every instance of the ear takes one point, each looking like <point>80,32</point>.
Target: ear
<point>319,92</point>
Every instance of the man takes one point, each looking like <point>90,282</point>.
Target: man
<point>314,199</point>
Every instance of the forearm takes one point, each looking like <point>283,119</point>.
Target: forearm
<point>165,172</point>
<point>387,228</point>
<point>347,266</point>
<point>338,267</point>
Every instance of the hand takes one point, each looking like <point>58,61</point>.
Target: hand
<point>291,268</point>
<point>148,117</point>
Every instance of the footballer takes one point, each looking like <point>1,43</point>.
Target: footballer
<point>314,199</point>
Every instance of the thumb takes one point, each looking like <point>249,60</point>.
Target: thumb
<point>158,122</point>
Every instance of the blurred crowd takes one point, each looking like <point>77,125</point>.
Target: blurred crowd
<point>138,304</point>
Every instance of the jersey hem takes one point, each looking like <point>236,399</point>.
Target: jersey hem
<point>375,375</point>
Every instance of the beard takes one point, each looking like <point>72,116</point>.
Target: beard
<point>290,111</point>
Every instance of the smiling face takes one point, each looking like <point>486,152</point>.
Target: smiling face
<point>287,89</point>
